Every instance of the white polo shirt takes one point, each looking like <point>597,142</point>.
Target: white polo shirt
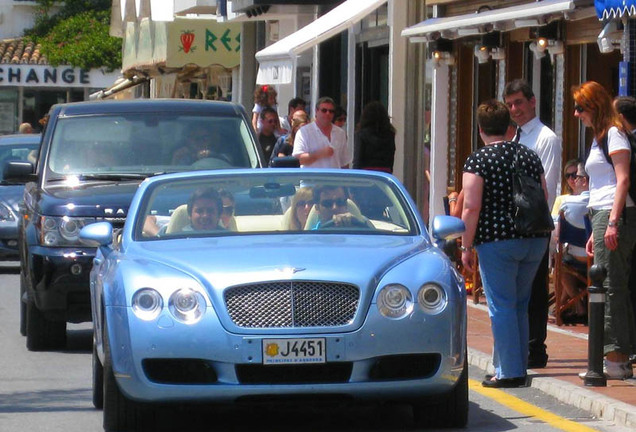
<point>309,139</point>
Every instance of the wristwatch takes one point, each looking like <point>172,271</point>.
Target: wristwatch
<point>465,249</point>
<point>612,223</point>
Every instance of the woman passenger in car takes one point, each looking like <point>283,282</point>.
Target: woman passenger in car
<point>296,216</point>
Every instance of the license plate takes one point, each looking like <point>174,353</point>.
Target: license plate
<point>294,351</point>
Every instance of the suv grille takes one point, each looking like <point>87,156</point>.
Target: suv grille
<point>292,304</point>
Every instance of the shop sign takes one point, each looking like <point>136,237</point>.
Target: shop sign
<point>49,76</point>
<point>204,43</point>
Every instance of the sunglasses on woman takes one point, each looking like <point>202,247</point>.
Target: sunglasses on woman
<point>578,108</point>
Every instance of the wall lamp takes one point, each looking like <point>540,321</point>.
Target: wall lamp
<point>610,37</point>
<point>542,44</point>
<point>443,58</point>
<point>482,53</point>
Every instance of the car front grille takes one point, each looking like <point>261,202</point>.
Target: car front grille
<point>292,304</point>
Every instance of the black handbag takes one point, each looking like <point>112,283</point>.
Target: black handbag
<point>531,211</point>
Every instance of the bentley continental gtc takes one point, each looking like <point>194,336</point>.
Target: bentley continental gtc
<point>233,285</point>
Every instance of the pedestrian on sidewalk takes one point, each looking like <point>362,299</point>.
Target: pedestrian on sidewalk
<point>508,260</point>
<point>613,220</point>
<point>374,141</point>
<point>321,144</point>
<point>519,97</point>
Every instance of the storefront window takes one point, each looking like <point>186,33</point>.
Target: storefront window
<point>38,102</point>
<point>8,111</point>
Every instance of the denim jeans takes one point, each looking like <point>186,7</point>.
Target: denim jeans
<point>620,331</point>
<point>507,270</point>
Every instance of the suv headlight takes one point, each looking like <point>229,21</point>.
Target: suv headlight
<point>395,301</point>
<point>62,231</point>
<point>6,214</point>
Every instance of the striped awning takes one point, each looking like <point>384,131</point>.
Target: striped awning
<point>607,9</point>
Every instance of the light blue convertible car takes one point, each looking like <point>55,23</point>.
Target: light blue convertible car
<point>232,285</point>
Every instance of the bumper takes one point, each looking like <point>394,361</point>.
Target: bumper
<point>60,279</point>
<point>385,359</point>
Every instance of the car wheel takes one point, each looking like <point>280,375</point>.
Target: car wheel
<point>120,413</point>
<point>23,306</point>
<point>450,411</point>
<point>98,380</point>
<point>41,333</point>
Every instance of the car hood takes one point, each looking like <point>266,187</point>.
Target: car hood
<point>228,261</point>
<point>89,199</point>
<point>11,195</point>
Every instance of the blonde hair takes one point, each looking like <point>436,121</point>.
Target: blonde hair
<point>298,122</point>
<point>303,194</point>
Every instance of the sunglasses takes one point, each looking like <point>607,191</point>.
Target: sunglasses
<point>571,175</point>
<point>578,108</point>
<point>270,121</point>
<point>304,203</point>
<point>228,209</point>
<point>327,110</point>
<point>338,202</point>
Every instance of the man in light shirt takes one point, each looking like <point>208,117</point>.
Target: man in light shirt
<point>519,97</point>
<point>321,144</point>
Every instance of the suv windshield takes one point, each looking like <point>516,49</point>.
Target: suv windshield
<point>100,147</point>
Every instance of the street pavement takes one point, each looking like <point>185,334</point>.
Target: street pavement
<point>567,348</point>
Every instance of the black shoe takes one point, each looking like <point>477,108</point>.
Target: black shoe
<point>537,362</point>
<point>488,377</point>
<point>505,382</point>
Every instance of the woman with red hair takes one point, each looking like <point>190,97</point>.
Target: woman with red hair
<point>613,220</point>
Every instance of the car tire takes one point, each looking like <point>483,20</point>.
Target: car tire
<point>98,380</point>
<point>41,333</point>
<point>449,411</point>
<point>23,305</point>
<point>120,413</point>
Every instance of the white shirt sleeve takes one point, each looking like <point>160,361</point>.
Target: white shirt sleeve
<point>548,148</point>
<point>300,143</point>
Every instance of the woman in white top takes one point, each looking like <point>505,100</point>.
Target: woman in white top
<point>613,220</point>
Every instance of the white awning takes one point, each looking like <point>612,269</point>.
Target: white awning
<point>527,15</point>
<point>276,62</point>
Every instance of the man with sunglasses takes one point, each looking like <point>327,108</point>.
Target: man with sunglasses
<point>267,137</point>
<point>320,144</point>
<point>333,208</point>
<point>521,102</point>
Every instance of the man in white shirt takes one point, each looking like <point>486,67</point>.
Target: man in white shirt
<point>321,144</point>
<point>519,97</point>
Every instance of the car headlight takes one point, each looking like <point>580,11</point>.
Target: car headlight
<point>432,298</point>
<point>187,305</point>
<point>147,304</point>
<point>6,214</point>
<point>395,301</point>
<point>62,231</point>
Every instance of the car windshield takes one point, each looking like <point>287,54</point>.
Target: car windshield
<point>210,206</point>
<point>148,143</point>
<point>18,151</point>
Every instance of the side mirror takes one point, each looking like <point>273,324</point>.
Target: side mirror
<point>285,162</point>
<point>18,172</point>
<point>447,227</point>
<point>97,234</point>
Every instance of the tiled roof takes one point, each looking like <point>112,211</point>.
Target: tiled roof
<point>18,51</point>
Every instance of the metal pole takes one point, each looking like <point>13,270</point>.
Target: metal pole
<point>596,313</point>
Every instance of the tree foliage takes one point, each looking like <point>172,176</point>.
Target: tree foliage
<point>77,34</point>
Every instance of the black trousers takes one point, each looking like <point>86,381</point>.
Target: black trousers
<point>538,311</point>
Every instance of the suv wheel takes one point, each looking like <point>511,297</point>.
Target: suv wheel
<point>43,334</point>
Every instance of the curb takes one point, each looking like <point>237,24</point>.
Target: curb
<point>600,406</point>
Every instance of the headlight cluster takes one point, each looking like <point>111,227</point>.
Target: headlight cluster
<point>185,305</point>
<point>62,231</point>
<point>396,301</point>
<point>6,215</point>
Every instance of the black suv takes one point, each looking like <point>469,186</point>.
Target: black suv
<point>93,157</point>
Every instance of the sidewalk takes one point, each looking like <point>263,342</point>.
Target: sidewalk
<point>567,348</point>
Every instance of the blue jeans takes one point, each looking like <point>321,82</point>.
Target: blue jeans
<point>507,270</point>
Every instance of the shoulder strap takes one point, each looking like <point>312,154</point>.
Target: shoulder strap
<point>605,150</point>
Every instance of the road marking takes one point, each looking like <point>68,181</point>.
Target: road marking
<point>528,409</point>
